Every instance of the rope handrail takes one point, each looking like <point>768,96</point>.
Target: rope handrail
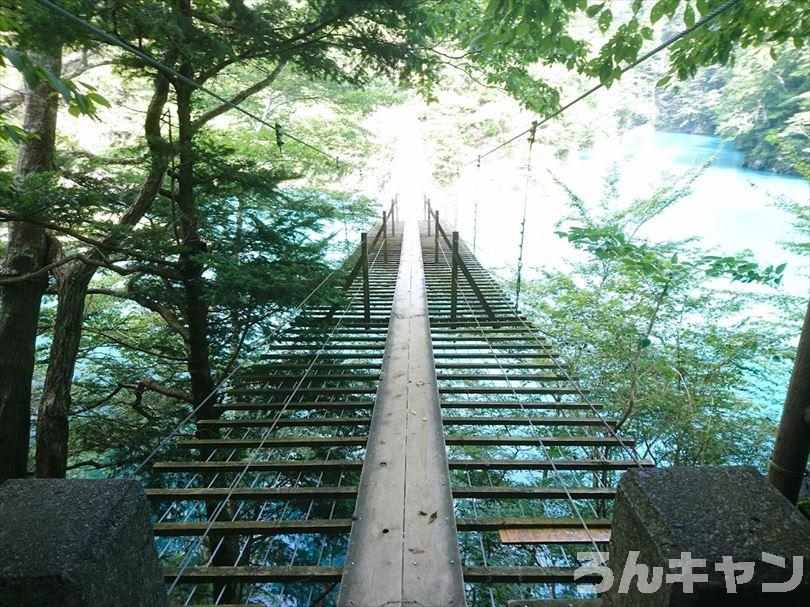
<point>283,326</point>
<point>709,17</point>
<point>186,561</point>
<point>539,438</point>
<point>461,263</point>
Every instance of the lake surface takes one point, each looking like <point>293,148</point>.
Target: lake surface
<point>730,208</point>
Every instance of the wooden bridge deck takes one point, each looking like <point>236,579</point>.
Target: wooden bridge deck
<point>423,444</point>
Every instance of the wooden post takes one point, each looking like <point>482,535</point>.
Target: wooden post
<point>385,238</point>
<point>393,220</point>
<point>364,264</point>
<point>436,247</point>
<point>428,223</point>
<point>454,279</point>
<point>789,459</point>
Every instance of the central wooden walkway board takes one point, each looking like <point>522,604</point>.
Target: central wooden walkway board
<point>403,547</point>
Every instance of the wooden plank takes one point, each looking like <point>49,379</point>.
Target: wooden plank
<point>263,528</point>
<point>536,420</point>
<point>525,575</point>
<point>253,575</point>
<point>507,390</point>
<point>537,441</point>
<point>540,464</point>
<point>403,547</point>
<point>272,443</point>
<point>296,406</point>
<point>539,493</point>
<point>283,422</point>
<point>561,535</point>
<point>291,465</point>
<point>555,603</point>
<point>529,404</point>
<point>495,523</point>
<point>263,493</point>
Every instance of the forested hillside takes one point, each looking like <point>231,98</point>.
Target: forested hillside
<point>154,236</point>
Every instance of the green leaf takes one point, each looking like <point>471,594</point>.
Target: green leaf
<point>689,16</point>
<point>593,10</point>
<point>11,132</point>
<point>57,85</point>
<point>663,82</point>
<point>657,11</point>
<point>99,99</point>
<point>605,20</point>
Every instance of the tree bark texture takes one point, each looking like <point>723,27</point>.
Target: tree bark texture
<point>73,281</point>
<point>790,453</point>
<point>27,252</point>
<point>225,549</point>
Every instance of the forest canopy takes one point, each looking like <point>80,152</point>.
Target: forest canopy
<point>153,237</point>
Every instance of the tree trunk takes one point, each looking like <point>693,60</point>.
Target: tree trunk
<point>790,453</point>
<point>20,302</point>
<point>54,408</point>
<point>73,281</point>
<point>190,267</point>
<point>225,548</point>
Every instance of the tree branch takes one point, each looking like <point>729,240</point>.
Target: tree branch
<point>167,315</point>
<point>98,244</point>
<point>239,97</point>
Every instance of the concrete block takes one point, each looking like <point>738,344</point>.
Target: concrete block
<point>711,512</point>
<point>77,543</point>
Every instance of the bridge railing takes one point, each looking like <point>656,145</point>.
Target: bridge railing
<point>457,263</point>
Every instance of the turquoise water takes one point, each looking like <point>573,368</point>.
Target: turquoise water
<point>730,208</point>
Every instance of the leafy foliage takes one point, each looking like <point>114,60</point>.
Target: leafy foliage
<point>684,362</point>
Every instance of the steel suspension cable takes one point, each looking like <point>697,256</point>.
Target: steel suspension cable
<point>532,134</point>
<point>708,18</point>
<point>186,561</point>
<point>115,41</point>
<point>541,443</point>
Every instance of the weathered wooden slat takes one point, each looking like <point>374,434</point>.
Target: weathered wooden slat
<point>501,377</point>
<point>330,377</point>
<point>273,443</point>
<point>265,528</point>
<point>539,493</point>
<point>540,464</point>
<point>254,575</point>
<point>282,422</point>
<point>307,465</point>
<point>489,356</point>
<point>536,420</point>
<point>262,493</point>
<point>303,391</point>
<point>537,441</point>
<point>556,603</point>
<point>509,390</point>
<point>529,404</point>
<point>295,406</point>
<point>525,575</point>
<point>552,535</point>
<point>496,523</point>
<point>494,344</point>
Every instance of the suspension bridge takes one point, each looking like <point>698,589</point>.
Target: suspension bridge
<point>421,443</point>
